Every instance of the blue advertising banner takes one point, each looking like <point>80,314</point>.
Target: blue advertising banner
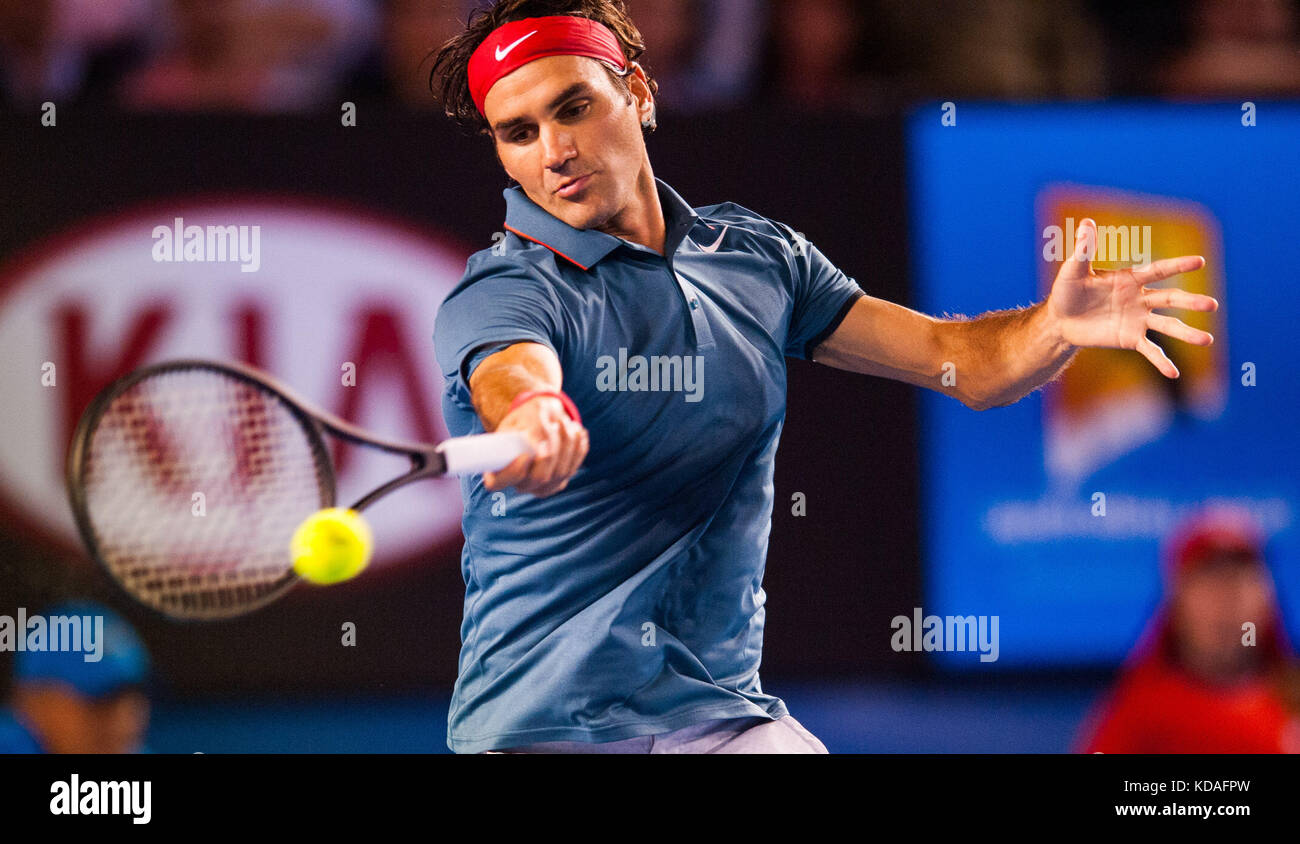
<point>1051,513</point>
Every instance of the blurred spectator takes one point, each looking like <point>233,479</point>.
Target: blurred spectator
<point>64,50</point>
<point>854,56</point>
<point>818,56</point>
<point>872,56</point>
<point>1246,48</point>
<point>60,703</point>
<point>1013,49</point>
<point>252,55</point>
<point>398,66</point>
<point>1192,684</point>
<point>703,53</point>
<point>672,32</point>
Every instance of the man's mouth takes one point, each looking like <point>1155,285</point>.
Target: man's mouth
<point>573,186</point>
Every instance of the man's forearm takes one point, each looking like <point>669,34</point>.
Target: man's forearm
<point>507,373</point>
<point>1003,356</point>
<point>559,443</point>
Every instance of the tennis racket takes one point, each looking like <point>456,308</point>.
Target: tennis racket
<point>158,436</point>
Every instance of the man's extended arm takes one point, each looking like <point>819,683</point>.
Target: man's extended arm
<point>992,360</point>
<point>998,358</point>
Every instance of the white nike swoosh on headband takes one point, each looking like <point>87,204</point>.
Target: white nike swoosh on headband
<point>714,246</point>
<point>501,54</point>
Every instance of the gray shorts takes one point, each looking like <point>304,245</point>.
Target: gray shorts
<point>724,735</point>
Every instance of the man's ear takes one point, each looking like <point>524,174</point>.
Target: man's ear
<point>640,85</point>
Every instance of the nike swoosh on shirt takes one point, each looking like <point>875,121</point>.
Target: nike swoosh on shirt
<point>714,246</point>
<point>501,54</point>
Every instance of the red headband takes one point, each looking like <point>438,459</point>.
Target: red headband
<point>517,43</point>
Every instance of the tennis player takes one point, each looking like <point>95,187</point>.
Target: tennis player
<point>614,598</point>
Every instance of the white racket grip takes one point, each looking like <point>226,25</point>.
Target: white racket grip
<point>483,452</point>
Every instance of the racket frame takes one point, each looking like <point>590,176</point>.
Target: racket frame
<point>426,460</point>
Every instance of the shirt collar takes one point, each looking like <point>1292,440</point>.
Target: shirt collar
<point>585,247</point>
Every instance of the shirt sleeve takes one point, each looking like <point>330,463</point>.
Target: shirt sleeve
<point>823,295</point>
<point>497,303</point>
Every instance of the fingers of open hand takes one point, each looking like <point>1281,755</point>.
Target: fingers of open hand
<point>1158,358</point>
<point>1171,297</point>
<point>1079,265</point>
<point>1179,330</point>
<point>1167,267</point>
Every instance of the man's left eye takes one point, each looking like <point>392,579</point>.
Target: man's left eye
<point>576,110</point>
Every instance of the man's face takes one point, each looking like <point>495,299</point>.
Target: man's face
<point>1211,604</point>
<point>68,722</point>
<point>568,135</point>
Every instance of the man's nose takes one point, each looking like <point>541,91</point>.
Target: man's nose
<point>557,146</point>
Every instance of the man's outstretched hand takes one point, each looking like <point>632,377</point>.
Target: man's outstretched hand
<point>1114,308</point>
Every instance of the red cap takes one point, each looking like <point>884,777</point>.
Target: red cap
<point>1213,532</point>
<point>517,43</point>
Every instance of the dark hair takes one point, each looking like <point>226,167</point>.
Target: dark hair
<point>450,74</point>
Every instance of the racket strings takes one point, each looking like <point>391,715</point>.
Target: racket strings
<point>194,483</point>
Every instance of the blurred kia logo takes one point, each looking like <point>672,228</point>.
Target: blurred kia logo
<point>341,308</point>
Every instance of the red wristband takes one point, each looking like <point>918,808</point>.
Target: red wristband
<point>569,407</point>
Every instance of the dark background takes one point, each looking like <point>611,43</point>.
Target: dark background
<point>834,578</point>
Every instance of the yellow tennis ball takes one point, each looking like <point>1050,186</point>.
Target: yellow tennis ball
<point>331,546</point>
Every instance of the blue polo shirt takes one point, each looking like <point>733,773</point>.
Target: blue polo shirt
<point>630,603</point>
